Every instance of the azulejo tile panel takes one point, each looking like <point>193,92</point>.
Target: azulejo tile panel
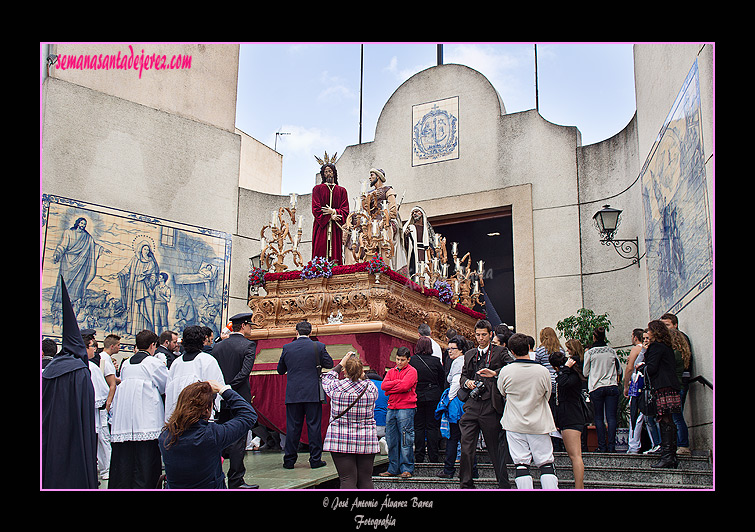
<point>678,238</point>
<point>126,272</point>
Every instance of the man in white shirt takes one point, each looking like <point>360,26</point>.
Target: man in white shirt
<point>527,418</point>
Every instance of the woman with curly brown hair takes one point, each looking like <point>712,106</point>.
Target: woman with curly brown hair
<point>661,373</point>
<point>191,445</point>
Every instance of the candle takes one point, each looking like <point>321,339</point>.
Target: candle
<point>374,227</point>
<point>364,187</point>
<point>480,265</point>
<point>274,219</point>
<point>301,219</point>
<point>454,246</point>
<point>263,244</point>
<point>293,199</point>
<point>354,236</point>
<point>437,240</point>
<point>385,235</point>
<point>476,287</point>
<point>296,242</point>
<point>457,264</point>
<point>456,286</point>
<point>445,270</point>
<point>435,264</point>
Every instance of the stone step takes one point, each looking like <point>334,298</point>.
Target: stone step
<point>602,471</point>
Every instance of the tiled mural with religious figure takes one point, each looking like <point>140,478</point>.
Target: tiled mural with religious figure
<point>675,197</point>
<point>126,272</point>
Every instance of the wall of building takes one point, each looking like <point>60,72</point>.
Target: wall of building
<point>261,168</point>
<point>142,160</point>
<point>660,72</point>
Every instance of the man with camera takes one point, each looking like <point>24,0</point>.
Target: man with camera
<point>483,405</point>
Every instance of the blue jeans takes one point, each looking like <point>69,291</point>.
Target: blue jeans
<point>399,434</point>
<point>682,433</point>
<point>605,400</point>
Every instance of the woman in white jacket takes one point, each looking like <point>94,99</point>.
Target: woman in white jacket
<point>601,367</point>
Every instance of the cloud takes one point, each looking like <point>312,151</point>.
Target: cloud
<point>336,88</point>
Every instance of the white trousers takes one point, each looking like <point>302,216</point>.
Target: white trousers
<point>103,444</point>
<point>536,449</point>
<point>635,436</point>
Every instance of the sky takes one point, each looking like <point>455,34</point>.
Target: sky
<point>309,93</point>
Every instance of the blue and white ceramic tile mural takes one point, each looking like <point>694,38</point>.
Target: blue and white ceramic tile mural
<point>126,272</point>
<point>435,131</point>
<point>678,238</point>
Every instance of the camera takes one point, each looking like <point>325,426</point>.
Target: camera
<point>478,390</point>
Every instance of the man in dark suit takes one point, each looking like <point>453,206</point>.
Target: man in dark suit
<point>301,361</point>
<point>483,405</point>
<point>167,345</point>
<point>235,356</point>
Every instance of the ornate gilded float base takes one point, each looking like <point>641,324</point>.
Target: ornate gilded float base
<point>353,303</point>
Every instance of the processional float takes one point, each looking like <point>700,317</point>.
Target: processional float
<point>364,307</point>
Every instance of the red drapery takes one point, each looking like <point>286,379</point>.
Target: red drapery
<point>269,390</point>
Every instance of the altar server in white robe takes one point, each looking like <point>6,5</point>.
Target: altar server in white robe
<point>101,393</point>
<point>193,366</point>
<point>138,415</point>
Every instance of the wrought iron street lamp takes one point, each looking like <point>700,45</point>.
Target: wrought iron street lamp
<point>607,221</point>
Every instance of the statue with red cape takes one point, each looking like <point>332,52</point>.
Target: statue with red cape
<point>330,207</point>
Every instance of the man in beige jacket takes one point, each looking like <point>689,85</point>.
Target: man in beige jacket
<point>527,418</point>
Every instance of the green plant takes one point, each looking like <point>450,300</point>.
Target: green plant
<point>623,413</point>
<point>581,325</point>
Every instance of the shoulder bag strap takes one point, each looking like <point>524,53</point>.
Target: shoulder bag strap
<point>353,402</point>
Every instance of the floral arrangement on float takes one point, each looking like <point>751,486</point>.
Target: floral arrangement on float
<point>376,265</point>
<point>317,267</point>
<point>445,293</point>
<point>321,267</point>
<point>257,277</point>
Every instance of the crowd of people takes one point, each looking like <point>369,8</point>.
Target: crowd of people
<point>168,414</point>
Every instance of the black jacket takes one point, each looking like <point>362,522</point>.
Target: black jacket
<point>499,357</point>
<point>567,409</point>
<point>235,356</point>
<point>431,377</point>
<point>660,366</point>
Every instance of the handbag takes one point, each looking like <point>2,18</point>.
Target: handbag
<point>352,403</point>
<point>588,410</point>
<point>323,395</point>
<point>647,403</point>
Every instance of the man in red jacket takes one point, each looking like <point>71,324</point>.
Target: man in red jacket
<point>400,385</point>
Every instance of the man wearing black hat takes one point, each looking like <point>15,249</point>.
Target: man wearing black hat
<point>236,355</point>
<point>301,361</point>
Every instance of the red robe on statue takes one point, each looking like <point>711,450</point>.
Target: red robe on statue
<point>336,197</point>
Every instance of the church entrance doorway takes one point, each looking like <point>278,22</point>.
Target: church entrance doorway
<point>487,236</point>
